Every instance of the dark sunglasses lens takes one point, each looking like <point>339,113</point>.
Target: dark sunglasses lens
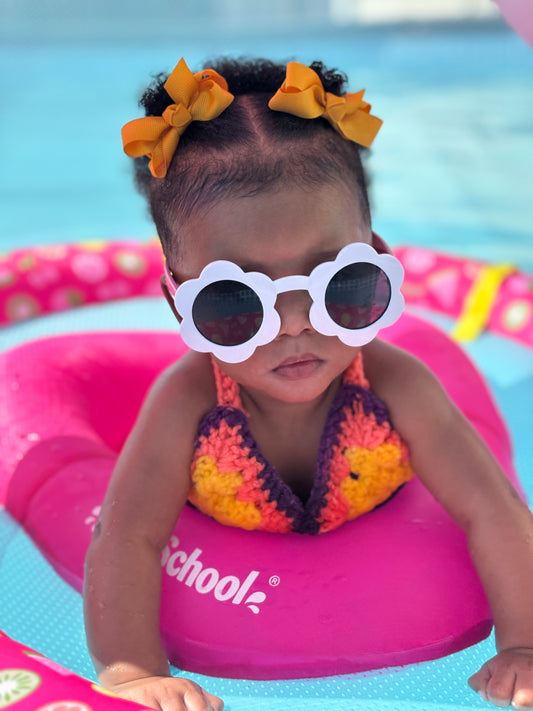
<point>358,295</point>
<point>227,313</point>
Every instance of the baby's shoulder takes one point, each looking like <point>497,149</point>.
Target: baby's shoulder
<point>399,378</point>
<point>185,389</point>
<point>384,362</point>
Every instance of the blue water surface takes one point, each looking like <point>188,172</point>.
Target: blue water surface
<point>451,167</point>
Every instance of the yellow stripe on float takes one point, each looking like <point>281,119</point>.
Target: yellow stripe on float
<point>479,301</point>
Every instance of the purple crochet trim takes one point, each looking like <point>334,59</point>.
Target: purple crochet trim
<point>342,403</point>
<point>306,517</point>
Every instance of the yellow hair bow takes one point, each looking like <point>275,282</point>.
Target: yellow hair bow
<point>198,97</point>
<point>303,95</point>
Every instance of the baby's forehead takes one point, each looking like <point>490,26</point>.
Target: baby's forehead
<point>303,263</point>
<point>285,224</point>
<point>275,264</point>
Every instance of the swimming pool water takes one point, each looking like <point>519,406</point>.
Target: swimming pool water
<point>451,167</point>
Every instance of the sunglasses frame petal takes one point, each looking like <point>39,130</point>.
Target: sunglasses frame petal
<point>321,276</point>
<point>222,270</point>
<point>267,290</point>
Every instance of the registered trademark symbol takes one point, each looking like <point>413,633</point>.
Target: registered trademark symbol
<point>274,581</point>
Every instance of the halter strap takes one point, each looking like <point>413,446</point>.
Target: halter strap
<point>227,389</point>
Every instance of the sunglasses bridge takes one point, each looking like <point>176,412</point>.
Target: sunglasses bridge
<point>295,282</point>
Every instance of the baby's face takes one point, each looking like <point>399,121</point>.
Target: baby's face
<point>280,233</point>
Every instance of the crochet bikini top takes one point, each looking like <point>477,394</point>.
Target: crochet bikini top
<point>361,462</point>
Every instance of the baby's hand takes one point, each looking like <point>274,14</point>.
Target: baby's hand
<point>507,679</point>
<point>167,693</point>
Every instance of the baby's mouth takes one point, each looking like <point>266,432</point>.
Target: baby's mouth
<point>298,366</point>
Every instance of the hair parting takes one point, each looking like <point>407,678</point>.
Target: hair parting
<point>248,149</point>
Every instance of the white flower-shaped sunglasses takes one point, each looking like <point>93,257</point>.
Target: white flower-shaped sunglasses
<point>229,312</point>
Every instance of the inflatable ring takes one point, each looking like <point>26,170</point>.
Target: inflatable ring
<point>31,682</point>
<point>518,15</point>
<point>392,587</point>
<point>44,280</point>
<point>495,297</point>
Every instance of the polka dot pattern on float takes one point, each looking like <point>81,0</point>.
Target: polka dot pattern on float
<point>43,280</point>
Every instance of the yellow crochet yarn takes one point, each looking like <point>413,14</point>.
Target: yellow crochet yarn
<point>375,474</point>
<point>215,493</point>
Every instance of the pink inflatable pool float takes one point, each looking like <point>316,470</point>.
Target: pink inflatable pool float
<point>392,587</point>
<point>31,682</point>
<point>519,16</point>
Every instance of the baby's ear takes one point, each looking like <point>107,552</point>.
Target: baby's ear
<point>168,297</point>
<point>380,245</point>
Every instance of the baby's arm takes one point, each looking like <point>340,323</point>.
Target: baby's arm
<point>453,462</point>
<point>147,492</point>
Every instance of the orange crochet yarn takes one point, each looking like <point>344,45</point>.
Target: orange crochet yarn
<point>362,461</point>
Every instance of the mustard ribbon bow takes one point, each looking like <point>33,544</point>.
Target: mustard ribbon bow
<point>198,97</point>
<point>303,95</point>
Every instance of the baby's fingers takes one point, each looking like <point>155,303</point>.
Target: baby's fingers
<point>168,693</point>
<point>523,692</point>
<point>494,683</point>
<point>479,681</point>
<point>216,703</point>
<point>507,679</point>
<point>500,688</point>
<point>200,700</point>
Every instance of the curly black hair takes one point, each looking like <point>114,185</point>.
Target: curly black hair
<point>248,149</point>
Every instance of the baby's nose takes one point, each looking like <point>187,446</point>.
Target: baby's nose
<point>293,308</point>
